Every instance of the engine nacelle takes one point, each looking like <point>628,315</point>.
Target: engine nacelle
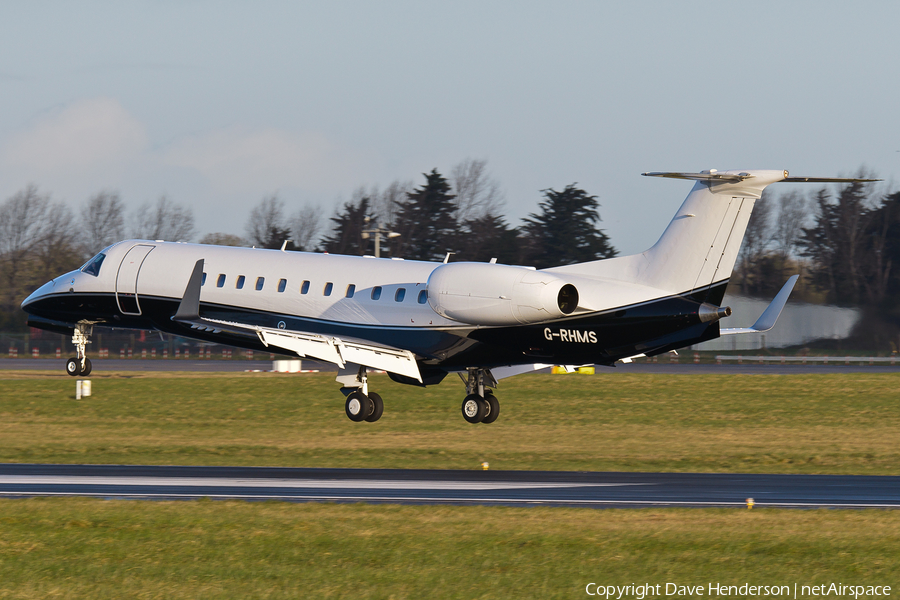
<point>490,294</point>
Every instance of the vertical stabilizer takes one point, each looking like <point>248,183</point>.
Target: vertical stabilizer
<point>701,244</point>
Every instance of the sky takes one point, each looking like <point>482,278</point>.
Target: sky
<point>218,104</point>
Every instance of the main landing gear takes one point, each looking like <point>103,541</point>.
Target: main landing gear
<point>361,404</point>
<point>81,364</point>
<point>480,405</point>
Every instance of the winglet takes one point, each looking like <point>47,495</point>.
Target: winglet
<point>189,308</point>
<point>766,321</point>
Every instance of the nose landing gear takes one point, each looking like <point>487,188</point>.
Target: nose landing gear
<point>480,405</point>
<point>81,364</point>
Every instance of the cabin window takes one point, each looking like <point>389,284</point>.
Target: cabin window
<point>240,282</point>
<point>304,288</point>
<point>376,292</point>
<point>282,285</point>
<point>423,296</point>
<point>400,295</point>
<point>328,287</point>
<point>220,282</point>
<point>203,280</point>
<point>351,289</point>
<point>260,282</point>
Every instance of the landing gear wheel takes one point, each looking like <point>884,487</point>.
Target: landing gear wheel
<point>87,368</point>
<point>73,367</point>
<point>377,407</point>
<point>474,408</point>
<point>493,408</point>
<point>358,406</point>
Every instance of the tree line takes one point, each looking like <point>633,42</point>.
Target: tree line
<point>844,241</point>
<point>460,214</point>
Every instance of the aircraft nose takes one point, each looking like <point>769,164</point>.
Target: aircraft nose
<point>39,293</point>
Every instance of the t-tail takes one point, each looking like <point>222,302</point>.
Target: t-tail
<point>700,246</point>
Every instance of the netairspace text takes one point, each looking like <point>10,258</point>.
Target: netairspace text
<point>651,590</point>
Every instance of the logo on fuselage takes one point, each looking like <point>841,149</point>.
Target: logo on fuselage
<point>571,335</point>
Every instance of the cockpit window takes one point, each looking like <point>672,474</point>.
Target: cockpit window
<point>93,266</point>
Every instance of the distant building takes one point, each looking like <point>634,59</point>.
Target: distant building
<point>799,323</point>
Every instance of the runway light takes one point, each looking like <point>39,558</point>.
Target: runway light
<point>485,466</point>
<point>750,503</point>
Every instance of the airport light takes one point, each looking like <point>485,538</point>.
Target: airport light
<point>378,231</point>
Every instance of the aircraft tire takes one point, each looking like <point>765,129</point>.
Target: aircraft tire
<point>88,367</point>
<point>474,408</point>
<point>73,367</point>
<point>377,407</point>
<point>357,406</point>
<point>493,408</point>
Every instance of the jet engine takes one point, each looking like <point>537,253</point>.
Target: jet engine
<point>490,294</point>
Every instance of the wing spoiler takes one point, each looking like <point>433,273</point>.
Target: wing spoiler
<point>766,321</point>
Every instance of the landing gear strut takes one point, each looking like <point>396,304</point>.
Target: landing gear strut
<point>81,364</point>
<point>361,404</point>
<point>480,405</point>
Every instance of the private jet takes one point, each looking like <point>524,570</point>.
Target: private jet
<point>420,321</point>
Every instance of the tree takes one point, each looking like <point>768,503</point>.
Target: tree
<point>565,231</point>
<point>223,239</point>
<point>163,220</point>
<point>425,220</point>
<point>489,237</point>
<point>836,243</point>
<point>37,242</point>
<point>754,248</point>
<point>385,204</point>
<point>477,193</point>
<point>102,221</point>
<point>346,234</point>
<point>267,227</point>
<point>21,230</point>
<point>59,250</point>
<point>305,225</point>
<point>792,216</point>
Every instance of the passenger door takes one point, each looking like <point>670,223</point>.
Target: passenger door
<point>126,279</point>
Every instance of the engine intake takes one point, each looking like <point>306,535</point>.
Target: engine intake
<point>490,294</point>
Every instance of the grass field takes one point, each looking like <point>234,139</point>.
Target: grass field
<point>74,548</point>
<point>79,548</point>
<point>845,423</point>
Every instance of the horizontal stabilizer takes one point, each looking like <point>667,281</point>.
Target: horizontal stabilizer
<point>827,180</point>
<point>767,320</point>
<point>711,175</point>
<point>731,177</point>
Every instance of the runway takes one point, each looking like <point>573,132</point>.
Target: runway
<point>511,488</point>
<point>224,366</point>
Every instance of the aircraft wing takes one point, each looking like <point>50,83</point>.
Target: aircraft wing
<point>766,321</point>
<point>331,349</point>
